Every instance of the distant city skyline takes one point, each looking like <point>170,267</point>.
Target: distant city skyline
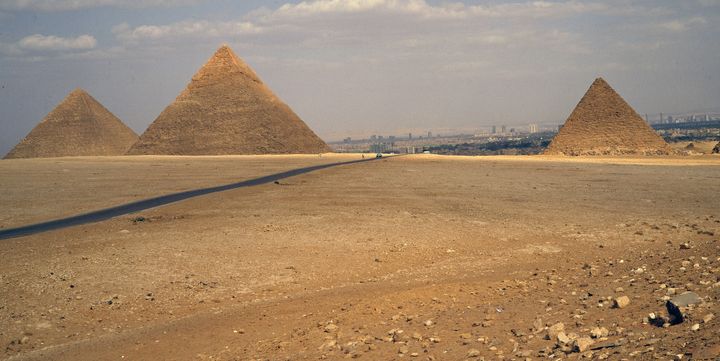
<point>363,66</point>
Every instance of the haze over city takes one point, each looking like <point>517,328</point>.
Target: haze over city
<point>359,67</point>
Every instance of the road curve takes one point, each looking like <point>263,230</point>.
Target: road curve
<point>107,213</point>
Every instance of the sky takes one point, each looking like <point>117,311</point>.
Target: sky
<point>361,67</point>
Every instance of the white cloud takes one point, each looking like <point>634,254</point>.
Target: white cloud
<point>443,11</point>
<point>679,25</point>
<point>351,17</point>
<point>67,5</point>
<point>185,29</point>
<point>40,42</point>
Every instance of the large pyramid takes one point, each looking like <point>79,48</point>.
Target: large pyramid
<point>226,109</point>
<point>604,124</point>
<point>79,125</point>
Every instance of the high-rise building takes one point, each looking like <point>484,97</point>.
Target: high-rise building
<point>503,129</point>
<point>410,136</point>
<point>494,129</point>
<point>533,128</point>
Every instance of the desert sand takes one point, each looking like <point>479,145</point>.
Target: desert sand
<point>414,257</point>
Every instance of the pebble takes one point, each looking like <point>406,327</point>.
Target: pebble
<point>331,328</point>
<point>707,318</point>
<point>621,302</point>
<point>695,327</point>
<point>538,325</point>
<point>563,339</point>
<point>599,332</point>
<point>428,323</point>
<point>473,353</point>
<point>582,344</point>
<point>554,330</point>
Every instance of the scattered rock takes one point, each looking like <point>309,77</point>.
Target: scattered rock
<point>563,339</point>
<point>473,353</point>
<point>707,318</point>
<point>621,302</point>
<point>554,330</point>
<point>599,332</point>
<point>582,344</point>
<point>538,326</point>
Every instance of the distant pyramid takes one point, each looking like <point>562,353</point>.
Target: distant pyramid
<point>604,124</point>
<point>226,109</point>
<point>79,125</point>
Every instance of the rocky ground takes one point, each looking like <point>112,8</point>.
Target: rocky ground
<point>419,257</point>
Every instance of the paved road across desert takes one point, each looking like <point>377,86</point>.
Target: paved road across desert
<point>418,257</point>
<point>161,200</point>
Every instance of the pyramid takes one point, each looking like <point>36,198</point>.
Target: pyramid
<point>227,109</point>
<point>604,124</point>
<point>78,126</point>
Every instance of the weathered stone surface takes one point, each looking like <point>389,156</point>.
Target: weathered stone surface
<point>78,126</point>
<point>227,109</point>
<point>604,124</point>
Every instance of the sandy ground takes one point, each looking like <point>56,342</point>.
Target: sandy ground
<point>416,257</point>
<point>48,188</point>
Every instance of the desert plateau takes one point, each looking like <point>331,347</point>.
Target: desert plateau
<point>410,257</point>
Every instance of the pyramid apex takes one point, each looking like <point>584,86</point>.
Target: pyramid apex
<point>224,48</point>
<point>600,80</point>
<point>78,91</point>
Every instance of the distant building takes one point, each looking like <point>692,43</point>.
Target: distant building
<point>347,140</point>
<point>494,129</point>
<point>429,134</point>
<point>410,136</point>
<point>533,128</point>
<point>503,129</point>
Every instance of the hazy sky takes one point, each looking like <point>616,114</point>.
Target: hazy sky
<point>349,67</point>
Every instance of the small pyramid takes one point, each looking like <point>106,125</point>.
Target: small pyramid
<point>78,126</point>
<point>227,109</point>
<point>604,124</point>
